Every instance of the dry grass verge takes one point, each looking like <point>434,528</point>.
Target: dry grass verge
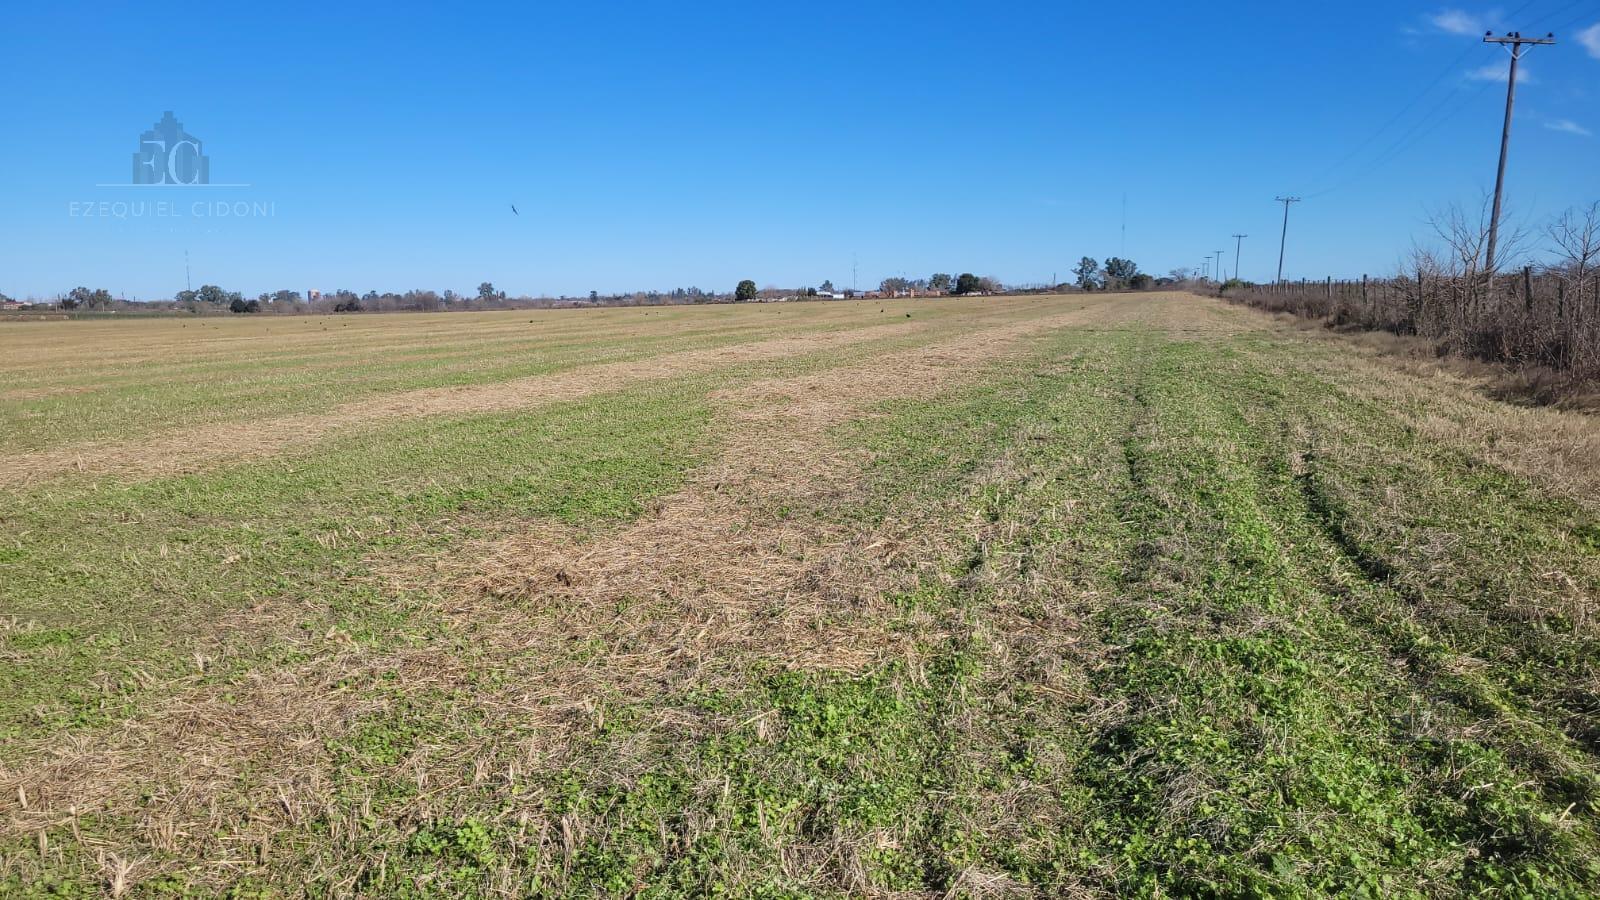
<point>1459,403</point>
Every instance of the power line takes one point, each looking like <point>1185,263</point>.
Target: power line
<point>1519,10</point>
<point>1421,129</point>
<point>1582,17</point>
<point>1373,135</point>
<point>1563,10</point>
<point>1573,22</point>
<point>1388,154</point>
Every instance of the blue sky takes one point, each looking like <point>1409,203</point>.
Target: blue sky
<point>660,145</point>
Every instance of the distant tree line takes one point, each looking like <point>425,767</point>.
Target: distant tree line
<point>941,283</point>
<point>211,298</point>
<point>937,284</point>
<point>87,298</point>
<point>1117,274</point>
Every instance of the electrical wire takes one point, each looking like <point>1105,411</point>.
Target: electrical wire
<point>1540,22</point>
<point>1373,135</point>
<point>1580,17</point>
<point>1421,129</point>
<point>1400,145</point>
<point>1431,122</point>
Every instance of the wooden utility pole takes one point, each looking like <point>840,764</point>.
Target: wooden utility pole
<point>1238,244</point>
<point>1516,45</point>
<point>1222,272</point>
<point>1284,237</point>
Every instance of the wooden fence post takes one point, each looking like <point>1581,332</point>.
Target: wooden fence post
<point>1416,311</point>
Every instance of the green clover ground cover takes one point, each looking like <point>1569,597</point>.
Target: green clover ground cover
<point>1200,621</point>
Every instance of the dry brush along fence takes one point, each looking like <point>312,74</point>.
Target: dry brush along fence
<point>1545,318</point>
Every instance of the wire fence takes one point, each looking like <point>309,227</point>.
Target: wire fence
<point>1546,317</point>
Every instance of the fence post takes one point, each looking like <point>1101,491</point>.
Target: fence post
<point>1416,312</point>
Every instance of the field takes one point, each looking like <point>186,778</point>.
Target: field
<point>1130,595</point>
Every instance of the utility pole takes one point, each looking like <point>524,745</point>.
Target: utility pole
<point>1516,45</point>
<point>1284,238</point>
<point>1222,271</point>
<point>1238,244</point>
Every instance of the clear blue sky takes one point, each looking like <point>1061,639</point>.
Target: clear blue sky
<point>660,145</point>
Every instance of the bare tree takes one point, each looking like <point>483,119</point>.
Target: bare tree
<point>1464,295</point>
<point>1465,232</point>
<point>1576,235</point>
<point>1543,316</point>
<point>1464,237</point>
